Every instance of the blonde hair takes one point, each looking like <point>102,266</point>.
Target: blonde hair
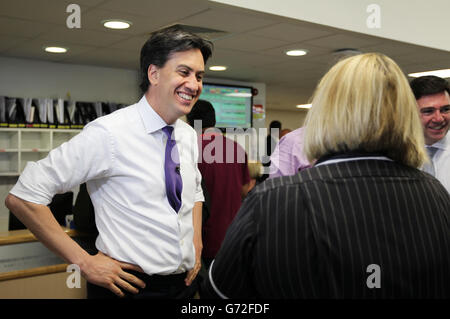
<point>365,103</point>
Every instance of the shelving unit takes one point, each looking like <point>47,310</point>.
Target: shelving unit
<point>21,145</point>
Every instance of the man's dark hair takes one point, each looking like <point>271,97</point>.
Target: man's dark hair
<point>275,124</point>
<point>204,111</point>
<point>163,43</point>
<point>428,85</point>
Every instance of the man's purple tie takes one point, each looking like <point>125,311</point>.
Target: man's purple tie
<point>174,185</point>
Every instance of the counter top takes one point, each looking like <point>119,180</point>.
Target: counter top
<point>24,256</point>
<point>24,235</point>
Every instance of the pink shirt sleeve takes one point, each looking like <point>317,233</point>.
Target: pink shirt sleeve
<point>288,157</point>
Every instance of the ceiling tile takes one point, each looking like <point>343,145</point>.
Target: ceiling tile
<point>139,25</point>
<point>7,42</point>
<point>132,44</point>
<point>421,57</point>
<point>313,51</point>
<point>392,48</point>
<point>344,40</point>
<point>430,66</point>
<point>16,27</point>
<point>45,11</point>
<point>220,20</point>
<point>239,59</point>
<point>81,36</point>
<point>247,42</point>
<point>290,32</point>
<point>89,3</point>
<point>35,49</point>
<point>108,58</point>
<point>159,12</point>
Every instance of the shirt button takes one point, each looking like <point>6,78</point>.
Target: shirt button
<point>181,242</point>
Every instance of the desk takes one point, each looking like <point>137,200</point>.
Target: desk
<point>29,270</point>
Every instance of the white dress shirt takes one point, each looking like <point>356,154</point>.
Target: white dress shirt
<point>440,166</point>
<point>121,157</point>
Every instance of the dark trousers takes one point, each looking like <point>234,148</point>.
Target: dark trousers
<point>207,262</point>
<point>156,287</point>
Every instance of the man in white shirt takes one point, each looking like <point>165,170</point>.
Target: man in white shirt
<point>147,248</point>
<point>433,100</point>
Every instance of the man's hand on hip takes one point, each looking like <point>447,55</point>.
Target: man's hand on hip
<point>109,273</point>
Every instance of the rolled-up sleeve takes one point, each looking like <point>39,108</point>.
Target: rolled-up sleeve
<point>86,156</point>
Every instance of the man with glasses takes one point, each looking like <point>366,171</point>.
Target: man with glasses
<point>433,100</point>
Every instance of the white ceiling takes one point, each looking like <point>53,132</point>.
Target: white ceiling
<point>253,44</point>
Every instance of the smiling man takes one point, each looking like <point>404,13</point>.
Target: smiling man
<point>139,165</point>
<point>433,100</point>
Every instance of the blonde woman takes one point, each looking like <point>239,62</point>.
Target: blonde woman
<point>364,221</point>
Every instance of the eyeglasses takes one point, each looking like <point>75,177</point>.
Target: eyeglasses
<point>427,111</point>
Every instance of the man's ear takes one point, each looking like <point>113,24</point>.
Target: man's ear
<point>153,74</point>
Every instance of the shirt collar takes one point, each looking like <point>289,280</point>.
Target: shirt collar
<point>442,143</point>
<point>152,121</point>
<point>351,156</point>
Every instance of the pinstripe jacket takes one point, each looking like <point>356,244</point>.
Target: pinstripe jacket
<point>367,228</point>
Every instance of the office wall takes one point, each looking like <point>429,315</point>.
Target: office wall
<point>34,78</point>
<point>288,119</point>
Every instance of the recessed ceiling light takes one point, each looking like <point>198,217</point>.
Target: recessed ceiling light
<point>296,52</point>
<point>444,73</point>
<point>55,49</point>
<point>217,68</point>
<point>303,106</point>
<point>116,24</point>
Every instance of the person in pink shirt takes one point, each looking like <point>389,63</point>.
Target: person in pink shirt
<point>288,157</point>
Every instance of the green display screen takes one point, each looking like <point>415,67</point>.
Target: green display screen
<point>233,104</point>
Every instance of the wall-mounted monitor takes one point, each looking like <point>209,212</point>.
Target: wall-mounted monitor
<point>232,103</point>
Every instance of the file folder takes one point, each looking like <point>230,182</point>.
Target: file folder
<point>41,105</point>
<point>3,120</point>
<point>31,113</point>
<point>51,120</point>
<point>76,119</point>
<point>15,113</point>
